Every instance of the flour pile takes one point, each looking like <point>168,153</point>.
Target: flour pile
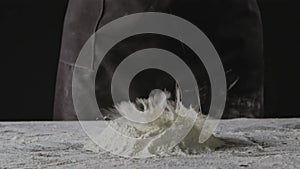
<point>157,126</point>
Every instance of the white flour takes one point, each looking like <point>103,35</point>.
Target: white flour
<point>159,137</point>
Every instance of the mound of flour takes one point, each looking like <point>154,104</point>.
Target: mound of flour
<point>172,132</point>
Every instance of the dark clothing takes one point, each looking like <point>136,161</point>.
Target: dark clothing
<point>233,26</point>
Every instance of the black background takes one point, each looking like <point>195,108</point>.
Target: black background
<point>30,42</point>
